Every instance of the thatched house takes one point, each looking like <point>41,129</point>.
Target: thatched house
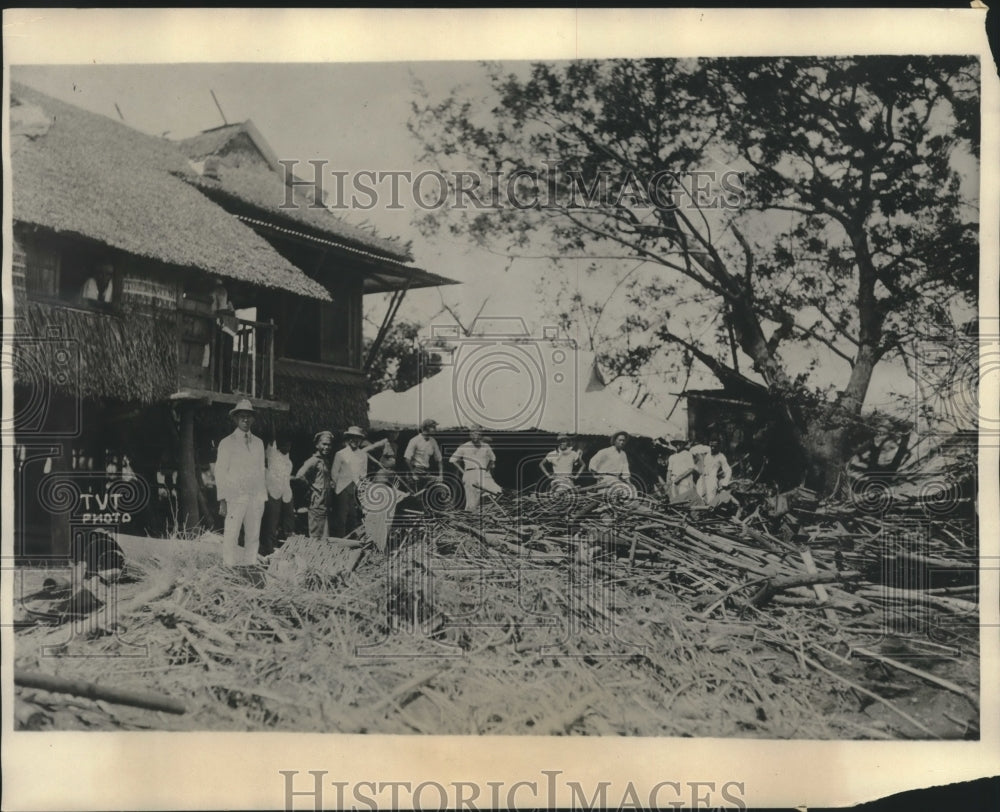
<point>124,245</point>
<point>319,351</point>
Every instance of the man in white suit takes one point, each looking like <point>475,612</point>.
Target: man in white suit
<point>241,487</point>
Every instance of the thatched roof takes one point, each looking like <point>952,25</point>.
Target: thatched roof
<point>261,183</point>
<point>319,405</point>
<point>130,357</point>
<point>76,172</point>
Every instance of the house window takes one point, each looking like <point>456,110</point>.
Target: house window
<point>41,272</point>
<point>322,332</point>
<point>338,345</point>
<point>301,328</point>
<point>72,277</point>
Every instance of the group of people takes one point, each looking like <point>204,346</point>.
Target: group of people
<point>697,473</point>
<point>254,487</point>
<point>254,484</point>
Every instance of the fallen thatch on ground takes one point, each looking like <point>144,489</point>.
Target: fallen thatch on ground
<point>552,617</point>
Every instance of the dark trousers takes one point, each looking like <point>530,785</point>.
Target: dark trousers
<point>278,515</point>
<point>346,512</point>
<point>318,528</point>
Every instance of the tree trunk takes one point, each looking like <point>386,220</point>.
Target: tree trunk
<point>189,516</point>
<point>826,451</point>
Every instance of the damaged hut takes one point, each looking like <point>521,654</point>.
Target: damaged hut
<point>155,284</point>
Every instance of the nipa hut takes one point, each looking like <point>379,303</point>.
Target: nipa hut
<point>126,249</point>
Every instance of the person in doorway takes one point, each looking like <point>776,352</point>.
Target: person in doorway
<point>611,464</point>
<point>561,464</point>
<point>475,460</point>
<point>226,329</point>
<point>315,472</point>
<point>279,514</point>
<point>350,466</point>
<point>421,452</point>
<point>100,288</point>
<point>242,488</point>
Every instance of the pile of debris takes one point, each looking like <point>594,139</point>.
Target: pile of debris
<point>576,614</point>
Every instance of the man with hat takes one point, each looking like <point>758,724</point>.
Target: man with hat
<point>315,472</point>
<point>611,463</point>
<point>560,465</point>
<point>241,487</point>
<point>421,451</point>
<point>475,459</point>
<point>350,466</point>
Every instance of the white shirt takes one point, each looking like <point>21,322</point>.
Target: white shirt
<point>349,465</point>
<point>679,464</point>
<point>610,461</point>
<point>473,459</point>
<point>421,450</point>
<point>91,292</point>
<point>278,475</point>
<point>562,462</point>
<point>716,465</point>
<point>239,467</point>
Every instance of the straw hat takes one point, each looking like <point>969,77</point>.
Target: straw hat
<point>354,431</point>
<point>243,406</point>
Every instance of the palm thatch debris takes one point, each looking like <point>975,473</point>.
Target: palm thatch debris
<point>550,617</point>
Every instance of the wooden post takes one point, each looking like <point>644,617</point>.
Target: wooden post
<point>59,522</point>
<point>213,359</point>
<point>250,349</point>
<point>189,515</point>
<point>270,360</point>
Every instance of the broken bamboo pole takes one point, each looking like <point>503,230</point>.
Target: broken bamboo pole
<point>776,585</point>
<point>90,690</point>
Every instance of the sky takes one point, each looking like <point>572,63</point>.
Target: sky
<point>354,116</point>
